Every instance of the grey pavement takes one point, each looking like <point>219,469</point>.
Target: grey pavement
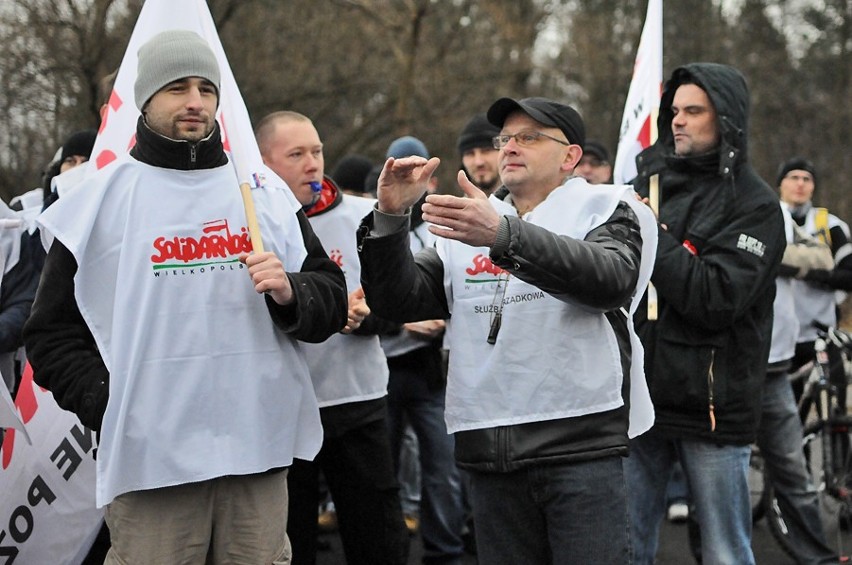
<point>674,548</point>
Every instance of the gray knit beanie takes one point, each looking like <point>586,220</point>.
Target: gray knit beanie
<point>170,56</point>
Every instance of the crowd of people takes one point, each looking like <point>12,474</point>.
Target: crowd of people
<point>528,362</point>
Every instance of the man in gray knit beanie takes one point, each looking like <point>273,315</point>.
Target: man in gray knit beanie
<point>172,65</point>
<point>192,467</point>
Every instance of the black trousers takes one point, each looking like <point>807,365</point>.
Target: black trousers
<point>359,472</point>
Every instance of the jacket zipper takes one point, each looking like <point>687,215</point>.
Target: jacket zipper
<point>192,153</point>
<point>710,386</point>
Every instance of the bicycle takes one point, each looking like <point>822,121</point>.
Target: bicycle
<point>827,425</point>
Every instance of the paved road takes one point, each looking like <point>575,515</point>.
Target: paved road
<point>674,548</point>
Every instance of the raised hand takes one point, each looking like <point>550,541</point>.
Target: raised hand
<point>403,181</point>
<point>472,219</point>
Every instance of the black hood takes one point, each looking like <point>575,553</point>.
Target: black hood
<point>726,87</point>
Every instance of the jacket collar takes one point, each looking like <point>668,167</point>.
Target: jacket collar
<point>158,150</point>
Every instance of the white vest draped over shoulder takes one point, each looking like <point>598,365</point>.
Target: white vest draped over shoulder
<point>552,359</point>
<point>202,384</point>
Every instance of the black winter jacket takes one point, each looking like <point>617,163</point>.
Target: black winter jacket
<point>600,271</point>
<point>706,355</point>
<point>61,348</point>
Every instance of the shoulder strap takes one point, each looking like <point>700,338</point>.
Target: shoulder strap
<point>821,225</point>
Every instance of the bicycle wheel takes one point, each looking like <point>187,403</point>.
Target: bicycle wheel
<point>835,501</point>
<point>758,487</point>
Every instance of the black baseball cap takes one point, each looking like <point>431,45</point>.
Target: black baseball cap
<point>548,112</point>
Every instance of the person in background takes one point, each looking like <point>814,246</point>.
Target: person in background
<point>18,281</point>
<point>75,151</point>
<point>539,279</point>
<point>18,288</point>
<point>720,243</point>
<point>348,371</point>
<point>416,389</point>
<point>779,435</point>
<point>478,155</point>
<point>595,165</point>
<point>167,364</point>
<point>350,174</point>
<point>816,293</point>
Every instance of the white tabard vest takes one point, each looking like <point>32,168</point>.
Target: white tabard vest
<point>552,359</point>
<point>202,384</point>
<point>815,302</point>
<point>785,325</point>
<point>345,367</point>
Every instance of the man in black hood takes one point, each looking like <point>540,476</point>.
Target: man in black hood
<point>721,239</point>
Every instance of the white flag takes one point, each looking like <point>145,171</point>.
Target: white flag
<point>638,126</point>
<point>47,506</point>
<point>9,417</point>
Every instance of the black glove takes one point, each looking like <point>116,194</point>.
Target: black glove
<point>818,276</point>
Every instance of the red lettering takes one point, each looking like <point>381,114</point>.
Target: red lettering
<point>188,249</point>
<point>483,264</point>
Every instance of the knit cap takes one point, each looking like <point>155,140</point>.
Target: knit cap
<point>79,143</point>
<point>351,172</point>
<point>173,55</point>
<point>795,164</point>
<point>407,146</point>
<point>478,132</point>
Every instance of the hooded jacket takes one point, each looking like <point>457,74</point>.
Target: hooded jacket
<point>717,258</point>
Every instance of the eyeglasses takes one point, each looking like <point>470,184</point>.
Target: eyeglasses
<point>523,139</point>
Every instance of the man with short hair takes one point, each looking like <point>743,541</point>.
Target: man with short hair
<point>721,239</point>
<point>594,165</point>
<point>162,329</point>
<point>478,155</point>
<point>815,292</point>
<point>348,371</point>
<point>545,376</point>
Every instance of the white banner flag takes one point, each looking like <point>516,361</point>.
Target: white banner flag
<point>638,126</point>
<point>9,417</point>
<point>47,506</point>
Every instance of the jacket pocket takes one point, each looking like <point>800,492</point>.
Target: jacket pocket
<point>686,374</point>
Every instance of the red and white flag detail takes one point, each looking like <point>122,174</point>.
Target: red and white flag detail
<point>638,124</point>
<point>47,509</point>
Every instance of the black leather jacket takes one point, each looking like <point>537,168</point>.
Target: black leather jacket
<point>599,271</point>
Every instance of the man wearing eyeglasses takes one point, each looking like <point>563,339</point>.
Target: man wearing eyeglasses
<point>545,379</point>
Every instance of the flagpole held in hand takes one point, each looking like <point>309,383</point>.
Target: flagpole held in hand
<point>654,203</point>
<point>251,218</point>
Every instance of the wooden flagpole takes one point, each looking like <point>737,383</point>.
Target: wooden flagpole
<point>251,218</point>
<point>654,203</point>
